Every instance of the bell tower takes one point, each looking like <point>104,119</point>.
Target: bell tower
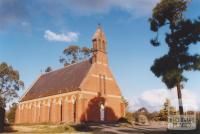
<point>99,47</point>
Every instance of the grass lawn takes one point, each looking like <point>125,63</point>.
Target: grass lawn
<point>116,128</point>
<point>48,128</point>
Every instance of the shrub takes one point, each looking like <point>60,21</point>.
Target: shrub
<point>84,127</point>
<point>123,120</point>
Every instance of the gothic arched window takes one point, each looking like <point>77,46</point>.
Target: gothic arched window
<point>95,44</point>
<point>100,47</point>
<point>103,46</point>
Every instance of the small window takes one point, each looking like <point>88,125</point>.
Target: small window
<point>103,46</point>
<point>95,45</point>
<point>104,83</point>
<point>100,83</point>
<point>100,45</point>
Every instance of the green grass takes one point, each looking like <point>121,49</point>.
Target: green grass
<point>49,128</point>
<point>55,129</point>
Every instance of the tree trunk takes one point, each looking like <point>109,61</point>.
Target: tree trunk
<point>180,99</point>
<point>2,118</point>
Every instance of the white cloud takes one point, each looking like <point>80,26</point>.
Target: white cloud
<point>154,99</point>
<point>25,24</point>
<point>69,37</point>
<point>85,7</point>
<point>17,11</point>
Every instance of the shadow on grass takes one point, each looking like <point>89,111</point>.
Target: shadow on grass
<point>83,127</point>
<point>8,129</point>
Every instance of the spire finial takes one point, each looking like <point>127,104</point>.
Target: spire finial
<point>99,25</point>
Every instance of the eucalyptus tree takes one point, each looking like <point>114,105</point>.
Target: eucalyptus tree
<point>180,34</point>
<point>48,69</point>
<point>74,54</point>
<point>10,83</point>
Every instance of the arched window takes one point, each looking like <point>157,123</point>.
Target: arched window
<point>49,110</point>
<point>61,108</point>
<point>104,84</point>
<point>100,84</point>
<point>74,108</point>
<point>95,44</point>
<point>103,46</point>
<point>100,44</point>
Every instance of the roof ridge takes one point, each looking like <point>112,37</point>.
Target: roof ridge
<point>64,79</point>
<point>64,67</point>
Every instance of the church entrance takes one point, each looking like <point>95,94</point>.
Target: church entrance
<point>102,112</point>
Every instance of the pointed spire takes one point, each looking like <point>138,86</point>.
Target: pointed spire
<point>99,46</point>
<point>99,34</point>
<point>99,25</point>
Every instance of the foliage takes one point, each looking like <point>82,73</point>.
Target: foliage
<point>125,101</point>
<point>73,54</point>
<point>10,83</point>
<point>154,116</point>
<point>182,33</point>
<point>163,115</point>
<point>129,117</point>
<point>11,113</point>
<point>125,120</point>
<point>166,110</point>
<point>141,111</point>
<point>48,69</point>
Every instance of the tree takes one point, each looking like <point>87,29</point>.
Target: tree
<point>181,34</point>
<point>10,83</point>
<point>48,69</point>
<point>166,111</point>
<point>11,113</point>
<point>129,117</point>
<point>154,116</point>
<point>126,103</point>
<point>74,54</point>
<point>142,115</point>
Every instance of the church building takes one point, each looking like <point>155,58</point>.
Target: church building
<point>80,92</point>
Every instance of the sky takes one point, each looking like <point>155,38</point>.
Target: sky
<point>33,35</point>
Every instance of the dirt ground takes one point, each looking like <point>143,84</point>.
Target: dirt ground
<point>97,129</point>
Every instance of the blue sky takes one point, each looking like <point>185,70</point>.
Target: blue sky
<point>34,33</point>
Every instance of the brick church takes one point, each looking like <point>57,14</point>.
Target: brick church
<point>81,92</point>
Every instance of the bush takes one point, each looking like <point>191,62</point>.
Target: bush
<point>11,113</point>
<point>130,117</point>
<point>82,127</point>
<point>123,120</point>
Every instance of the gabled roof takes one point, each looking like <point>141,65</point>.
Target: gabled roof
<point>64,80</point>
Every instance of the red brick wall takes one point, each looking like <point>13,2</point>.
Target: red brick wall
<point>87,109</point>
<point>92,81</point>
<point>87,104</point>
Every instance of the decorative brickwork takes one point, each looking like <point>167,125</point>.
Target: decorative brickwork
<point>85,91</point>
